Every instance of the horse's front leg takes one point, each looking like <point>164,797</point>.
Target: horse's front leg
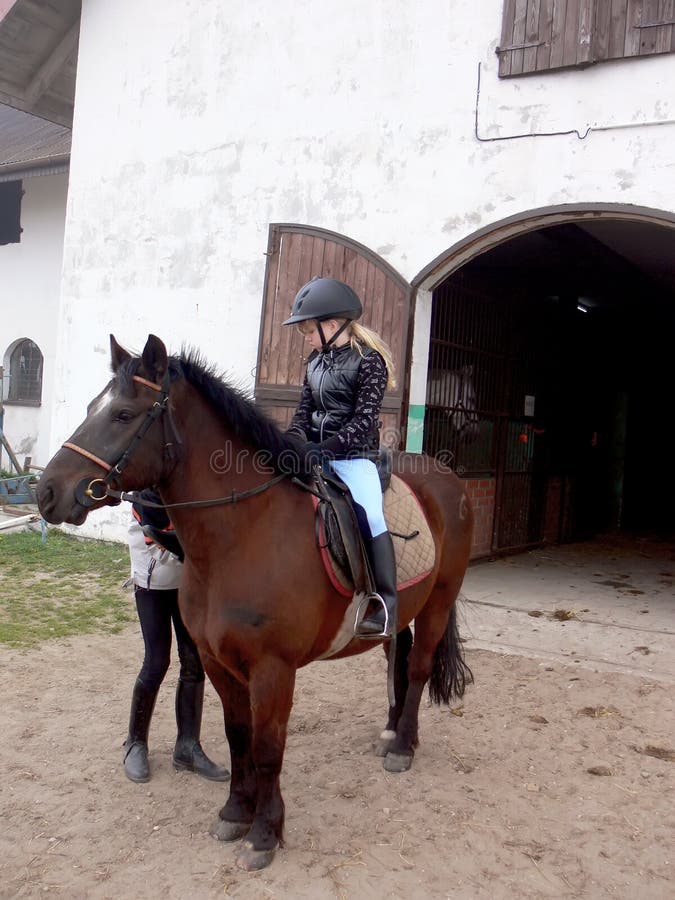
<point>271,689</point>
<point>234,819</point>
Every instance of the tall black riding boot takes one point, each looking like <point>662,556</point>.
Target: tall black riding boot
<point>381,619</point>
<point>188,754</point>
<point>136,766</point>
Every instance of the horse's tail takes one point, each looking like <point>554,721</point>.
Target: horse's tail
<point>449,673</point>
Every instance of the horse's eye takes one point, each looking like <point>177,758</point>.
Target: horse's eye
<point>124,415</point>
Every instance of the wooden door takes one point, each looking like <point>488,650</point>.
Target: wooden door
<point>296,253</point>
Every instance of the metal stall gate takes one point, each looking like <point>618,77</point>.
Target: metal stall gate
<point>481,413</point>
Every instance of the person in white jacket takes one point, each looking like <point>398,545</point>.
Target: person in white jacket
<point>156,574</point>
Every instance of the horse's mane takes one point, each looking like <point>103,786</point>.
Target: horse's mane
<point>230,403</point>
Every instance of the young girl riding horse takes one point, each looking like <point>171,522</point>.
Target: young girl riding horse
<point>346,377</point>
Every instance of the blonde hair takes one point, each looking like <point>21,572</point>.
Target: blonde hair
<point>360,335</point>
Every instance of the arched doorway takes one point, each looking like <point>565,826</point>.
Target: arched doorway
<point>564,317</point>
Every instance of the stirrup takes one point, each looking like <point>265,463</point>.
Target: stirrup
<point>389,627</point>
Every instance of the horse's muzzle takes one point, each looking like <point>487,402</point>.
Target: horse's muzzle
<point>47,503</point>
<point>53,508</point>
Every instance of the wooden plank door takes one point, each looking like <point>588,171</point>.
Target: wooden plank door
<point>296,253</point>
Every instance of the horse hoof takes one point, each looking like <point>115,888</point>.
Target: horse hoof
<point>229,831</point>
<point>384,743</point>
<point>250,860</point>
<point>397,762</point>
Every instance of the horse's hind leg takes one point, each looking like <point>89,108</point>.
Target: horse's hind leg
<point>403,645</point>
<point>234,819</point>
<point>430,627</point>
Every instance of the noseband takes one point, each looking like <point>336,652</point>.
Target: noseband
<point>89,492</point>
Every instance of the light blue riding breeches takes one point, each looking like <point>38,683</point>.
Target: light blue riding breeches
<point>360,476</point>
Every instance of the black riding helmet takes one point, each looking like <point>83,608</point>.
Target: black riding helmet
<point>324,298</point>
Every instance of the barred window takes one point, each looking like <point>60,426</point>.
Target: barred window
<point>25,373</point>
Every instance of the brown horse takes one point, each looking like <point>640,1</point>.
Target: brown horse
<point>255,595</point>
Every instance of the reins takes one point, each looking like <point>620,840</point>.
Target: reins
<point>87,491</point>
<point>234,497</point>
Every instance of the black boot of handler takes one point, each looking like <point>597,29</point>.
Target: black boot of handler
<point>136,766</point>
<point>188,754</point>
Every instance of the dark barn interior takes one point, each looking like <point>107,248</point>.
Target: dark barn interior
<point>566,333</point>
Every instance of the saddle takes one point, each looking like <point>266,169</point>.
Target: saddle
<point>340,539</point>
<point>339,532</point>
<point>343,552</point>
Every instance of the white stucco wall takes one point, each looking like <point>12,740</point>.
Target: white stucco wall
<point>30,279</point>
<point>198,123</point>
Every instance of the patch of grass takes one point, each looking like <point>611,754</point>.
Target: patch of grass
<point>63,587</point>
<point>6,473</point>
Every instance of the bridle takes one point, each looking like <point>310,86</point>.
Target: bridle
<point>90,492</point>
<point>469,417</point>
<point>460,408</point>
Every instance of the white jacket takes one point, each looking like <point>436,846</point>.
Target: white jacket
<point>152,566</point>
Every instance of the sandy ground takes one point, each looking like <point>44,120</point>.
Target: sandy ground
<point>500,801</point>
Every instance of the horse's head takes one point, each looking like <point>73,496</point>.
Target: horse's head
<point>454,393</point>
<point>102,452</point>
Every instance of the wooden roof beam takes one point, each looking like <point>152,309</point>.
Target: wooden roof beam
<point>51,67</point>
<point>54,111</point>
<point>12,95</point>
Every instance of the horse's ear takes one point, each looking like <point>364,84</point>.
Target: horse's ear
<point>154,356</point>
<point>118,355</point>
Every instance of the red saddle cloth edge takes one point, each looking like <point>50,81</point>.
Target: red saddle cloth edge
<point>330,568</point>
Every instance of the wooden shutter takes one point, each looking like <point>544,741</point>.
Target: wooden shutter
<point>539,35</point>
<point>295,255</point>
<point>633,28</point>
